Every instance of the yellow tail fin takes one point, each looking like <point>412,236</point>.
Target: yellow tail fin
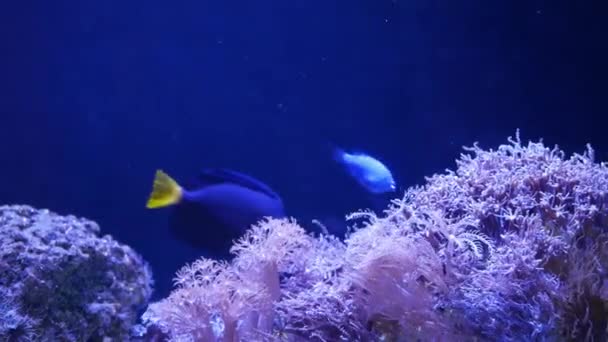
<point>165,191</point>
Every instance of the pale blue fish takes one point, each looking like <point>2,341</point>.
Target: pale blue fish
<point>368,171</point>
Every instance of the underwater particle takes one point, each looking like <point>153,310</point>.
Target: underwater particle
<point>368,171</point>
<point>62,282</point>
<point>217,209</point>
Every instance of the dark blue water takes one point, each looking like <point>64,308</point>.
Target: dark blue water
<point>94,96</point>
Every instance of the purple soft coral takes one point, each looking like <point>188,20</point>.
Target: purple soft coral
<point>508,247</point>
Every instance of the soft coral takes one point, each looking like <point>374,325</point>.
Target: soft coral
<point>231,301</point>
<point>509,246</point>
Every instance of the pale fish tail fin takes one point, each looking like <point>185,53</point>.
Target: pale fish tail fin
<point>337,153</point>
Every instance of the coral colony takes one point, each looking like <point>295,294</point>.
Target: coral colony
<point>60,281</point>
<point>508,247</point>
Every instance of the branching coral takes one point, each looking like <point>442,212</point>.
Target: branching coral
<point>508,247</point>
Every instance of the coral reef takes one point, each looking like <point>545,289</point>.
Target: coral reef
<point>60,281</point>
<point>508,247</point>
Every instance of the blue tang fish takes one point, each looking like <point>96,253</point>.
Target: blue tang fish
<point>218,208</point>
<point>368,171</point>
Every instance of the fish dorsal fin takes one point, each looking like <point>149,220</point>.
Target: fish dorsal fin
<point>219,175</point>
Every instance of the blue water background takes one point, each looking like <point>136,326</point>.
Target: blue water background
<point>96,95</point>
